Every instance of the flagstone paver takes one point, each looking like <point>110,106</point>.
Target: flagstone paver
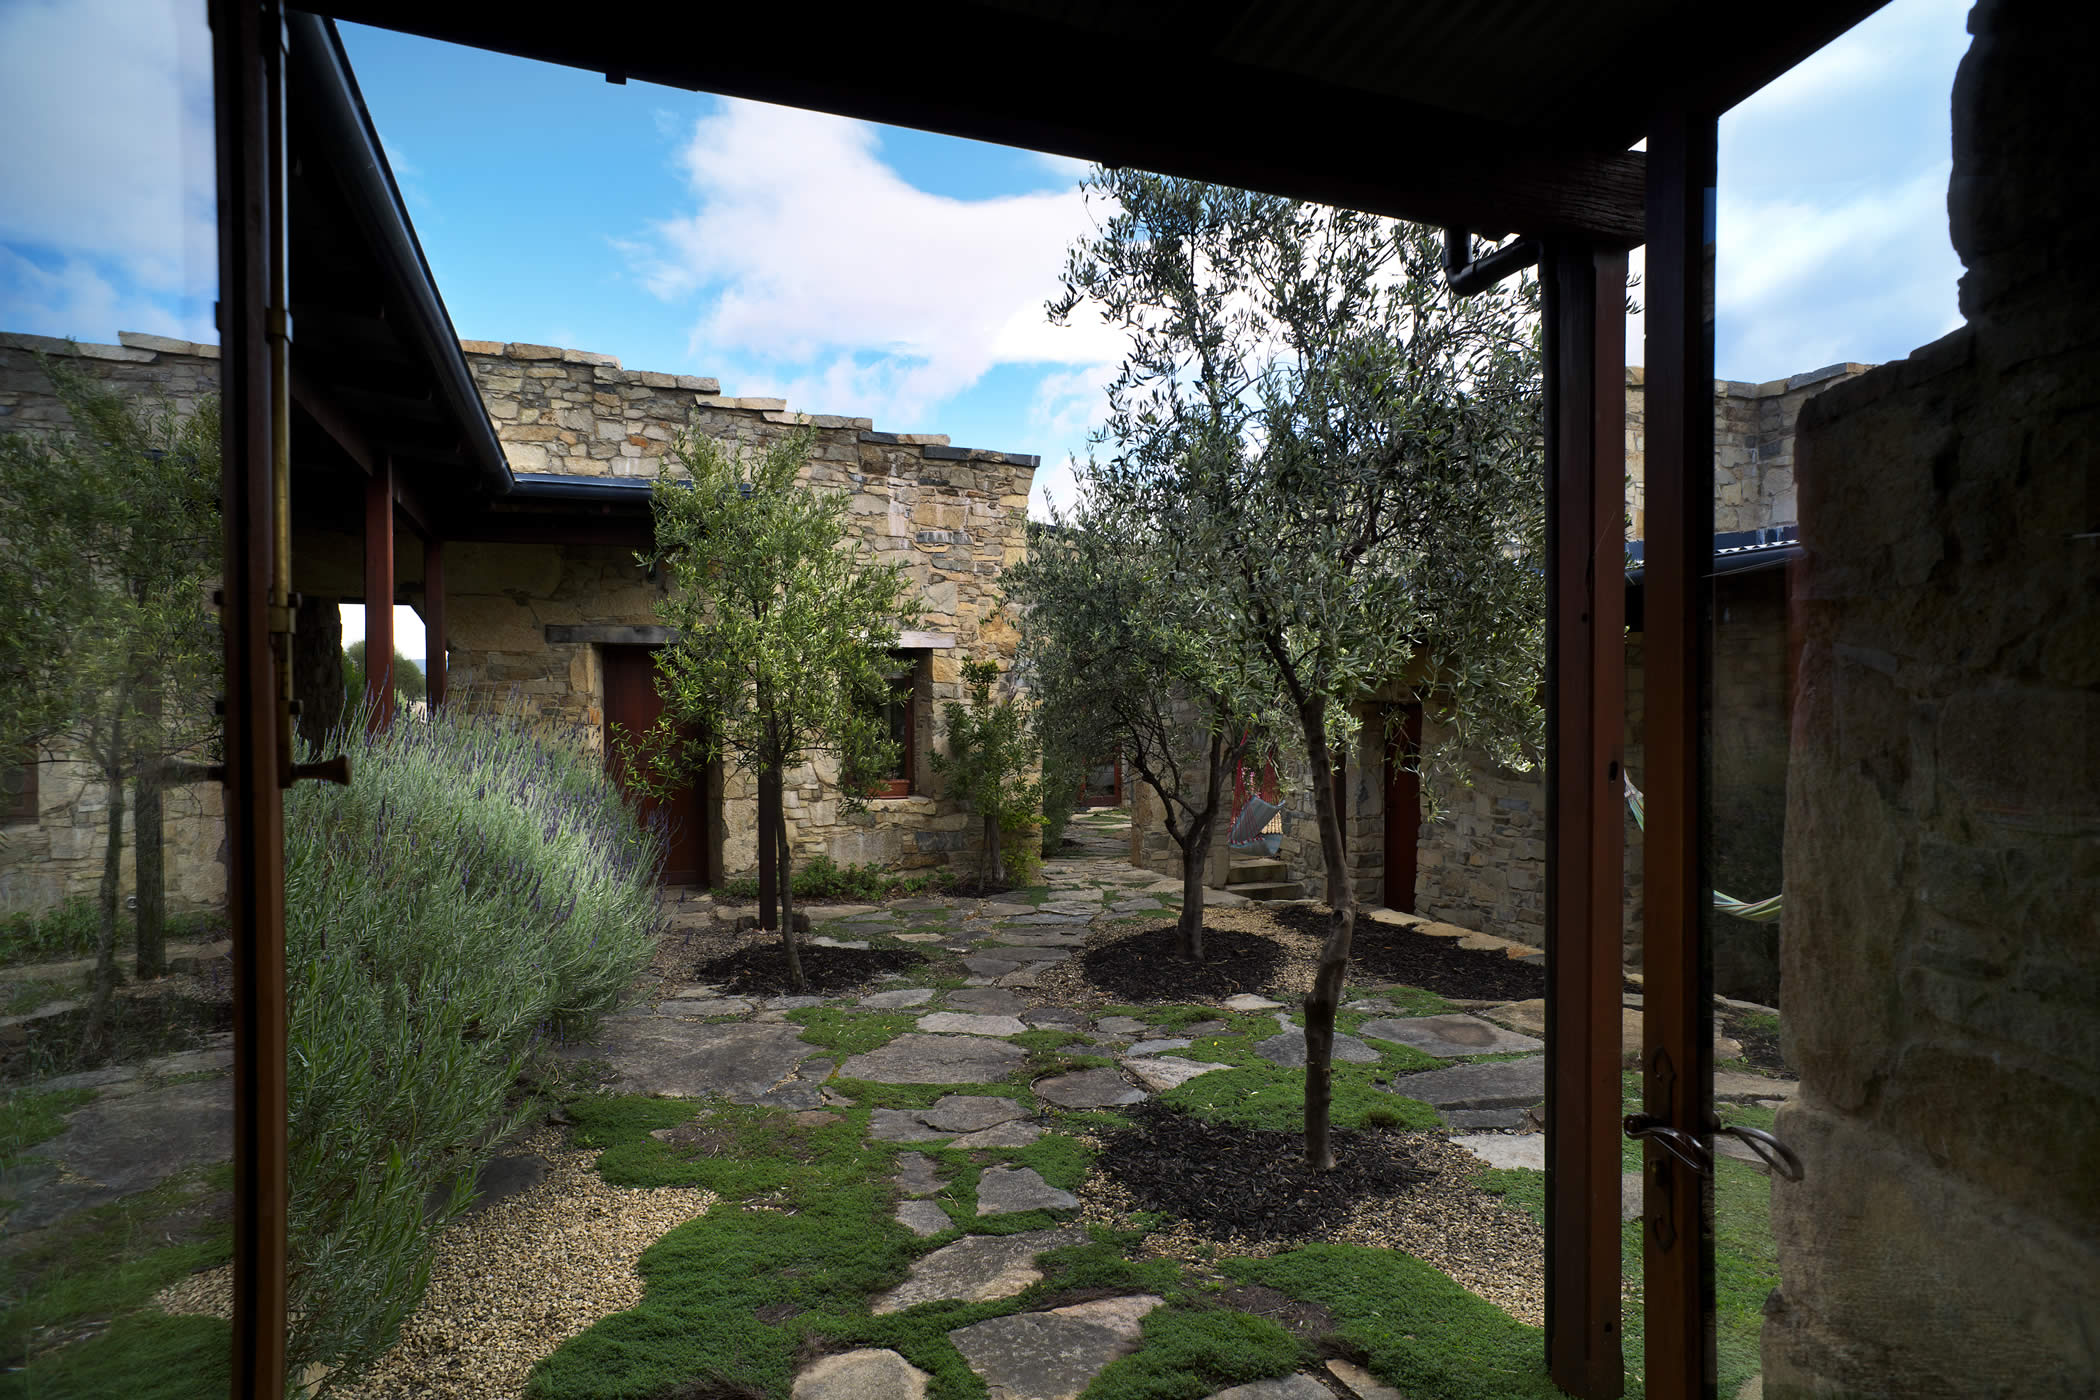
<point>116,1146</point>
<point>985,1001</point>
<point>1449,1037</point>
<point>1247,1001</point>
<point>983,965</point>
<point>1282,1388</point>
<point>923,1218</point>
<point>901,1125</point>
<point>1496,1084</point>
<point>916,1175</point>
<point>977,1269</point>
<point>1155,1047</point>
<point>867,1374</point>
<point>1004,1190</point>
<point>1361,1383</point>
<point>897,999</point>
<point>704,1006</point>
<point>1052,1355</point>
<point>936,1059</point>
<point>1164,1074</point>
<point>1119,1025</point>
<point>739,1061</point>
<point>1054,1017</point>
<point>1506,1149</point>
<point>1014,1134</point>
<point>1088,1088</point>
<point>970,1113</point>
<point>1288,1049</point>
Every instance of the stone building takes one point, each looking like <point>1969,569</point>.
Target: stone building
<point>549,611</point>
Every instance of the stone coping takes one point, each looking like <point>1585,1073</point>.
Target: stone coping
<point>708,391</point>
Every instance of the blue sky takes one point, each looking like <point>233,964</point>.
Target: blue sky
<point>847,267</point>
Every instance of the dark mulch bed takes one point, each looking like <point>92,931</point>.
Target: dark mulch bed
<point>1145,967</point>
<point>760,969</point>
<point>141,1028</point>
<point>1251,1182</point>
<point>1421,960</point>
<point>1760,1044</point>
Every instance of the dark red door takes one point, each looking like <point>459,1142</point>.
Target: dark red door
<point>1403,806</point>
<point>632,706</point>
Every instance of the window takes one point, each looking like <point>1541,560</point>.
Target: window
<point>899,711</point>
<point>18,791</point>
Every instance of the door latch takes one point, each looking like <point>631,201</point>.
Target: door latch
<point>1770,1150</point>
<point>1676,1141</point>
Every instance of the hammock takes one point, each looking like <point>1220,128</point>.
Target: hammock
<point>1247,827</point>
<point>1762,911</point>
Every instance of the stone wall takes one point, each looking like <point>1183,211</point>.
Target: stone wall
<point>1754,485</point>
<point>59,855</point>
<point>953,517</point>
<point>1942,958</point>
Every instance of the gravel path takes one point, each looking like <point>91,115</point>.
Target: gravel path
<point>512,1282</point>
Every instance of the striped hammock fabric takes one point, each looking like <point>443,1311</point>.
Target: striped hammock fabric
<point>1760,911</point>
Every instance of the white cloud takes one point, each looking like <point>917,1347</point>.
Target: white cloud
<point>108,155</point>
<point>832,276</point>
<point>75,300</point>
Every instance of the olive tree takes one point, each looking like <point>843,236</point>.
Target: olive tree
<point>108,647</point>
<point>1353,453</point>
<point>783,633</point>
<point>1130,651</point>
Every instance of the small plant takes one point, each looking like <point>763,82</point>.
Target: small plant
<point>65,932</point>
<point>991,756</point>
<point>820,877</point>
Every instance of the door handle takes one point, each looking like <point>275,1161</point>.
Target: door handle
<point>1774,1153</point>
<point>1676,1141</point>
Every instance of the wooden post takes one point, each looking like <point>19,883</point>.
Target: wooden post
<point>1677,1048</point>
<point>1585,328</point>
<point>434,621</point>
<point>248,126</point>
<point>379,596</point>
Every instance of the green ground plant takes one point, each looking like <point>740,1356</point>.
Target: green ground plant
<point>477,891</point>
<point>819,877</point>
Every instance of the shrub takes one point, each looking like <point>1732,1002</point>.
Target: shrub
<point>67,931</point>
<point>475,888</point>
<point>820,877</point>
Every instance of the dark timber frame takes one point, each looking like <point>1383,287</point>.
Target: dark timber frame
<point>1585,348</point>
<point>1677,1048</point>
<point>1564,176</point>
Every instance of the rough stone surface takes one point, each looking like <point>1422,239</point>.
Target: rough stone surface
<point>1158,1047</point>
<point>985,965</point>
<point>898,999</point>
<point>1014,1134</point>
<point>1449,1037</point>
<point>970,1113</point>
<point>114,1147</point>
<point>936,1059</point>
<point>1506,1149</point>
<point>1003,1190</point>
<point>1497,1084</point>
<point>1247,1001</point>
<point>703,1006</point>
<point>915,1174</point>
<point>1050,1355</point>
<point>867,1374</point>
<point>676,1059</point>
<point>977,1269</point>
<point>900,1125</point>
<point>1729,1084</point>
<point>966,1023</point>
<point>1164,1074</point>
<point>1088,1088</point>
<point>1361,1383</point>
<point>1288,1049</point>
<point>1119,1025</point>
<point>1282,1388</point>
<point>984,1001</point>
<point>922,1218</point>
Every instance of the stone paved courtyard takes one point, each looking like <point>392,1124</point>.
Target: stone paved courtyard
<point>986,1075</point>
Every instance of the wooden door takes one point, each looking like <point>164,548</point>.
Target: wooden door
<point>1403,806</point>
<point>632,706</point>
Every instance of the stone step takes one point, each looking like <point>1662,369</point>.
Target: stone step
<point>1255,872</point>
<point>1268,890</point>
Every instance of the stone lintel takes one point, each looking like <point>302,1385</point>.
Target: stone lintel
<point>925,641</point>
<point>610,634</point>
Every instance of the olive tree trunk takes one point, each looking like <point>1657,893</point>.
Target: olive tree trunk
<point>789,939</point>
<point>102,995</point>
<point>1325,998</point>
<point>150,874</point>
<point>1195,854</point>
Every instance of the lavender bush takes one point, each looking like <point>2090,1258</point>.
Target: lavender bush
<point>476,890</point>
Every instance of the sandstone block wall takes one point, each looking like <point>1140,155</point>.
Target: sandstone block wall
<point>59,855</point>
<point>953,517</point>
<point>1942,958</point>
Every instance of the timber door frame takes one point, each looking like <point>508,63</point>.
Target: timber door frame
<point>1403,797</point>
